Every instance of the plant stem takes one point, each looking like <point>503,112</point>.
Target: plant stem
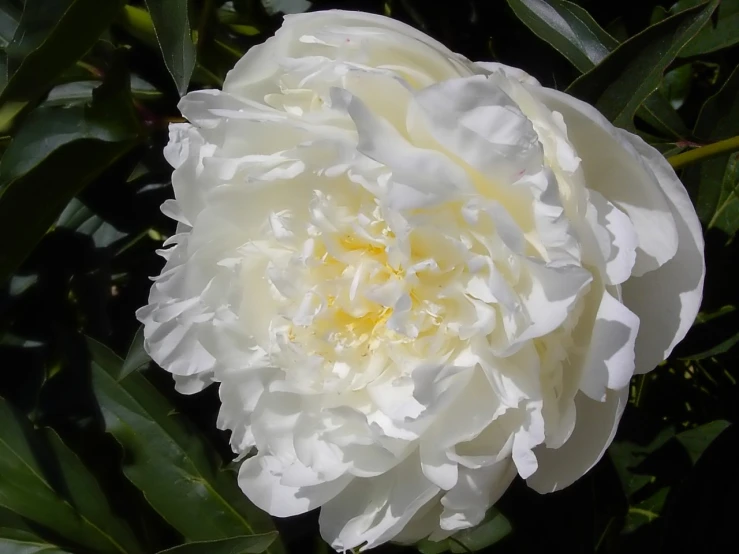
<point>704,152</point>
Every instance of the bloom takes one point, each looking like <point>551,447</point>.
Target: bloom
<point>413,276</point>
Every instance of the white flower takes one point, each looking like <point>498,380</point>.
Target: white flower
<point>413,276</point>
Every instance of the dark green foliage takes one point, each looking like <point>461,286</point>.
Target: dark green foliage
<point>91,435</point>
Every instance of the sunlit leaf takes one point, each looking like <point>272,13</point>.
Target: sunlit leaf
<point>137,358</point>
<point>16,541</point>
<point>66,41</point>
<point>574,33</point>
<point>493,529</point>
<point>254,544</point>
<point>78,217</point>
<point>567,27</point>
<point>633,71</point>
<point>646,511</point>
<point>80,92</point>
<point>172,27</point>
<point>285,6</point>
<point>676,85</point>
<point>9,18</point>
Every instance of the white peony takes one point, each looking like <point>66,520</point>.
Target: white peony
<point>413,276</point>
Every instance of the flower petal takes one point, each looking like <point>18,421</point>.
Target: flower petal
<point>260,479</point>
<point>375,510</point>
<point>613,167</point>
<point>610,359</point>
<point>476,490</point>
<point>595,428</point>
<point>667,300</point>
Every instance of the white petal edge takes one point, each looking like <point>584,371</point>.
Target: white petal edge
<point>667,300</point>
<point>596,426</point>
<point>260,479</point>
<point>614,168</point>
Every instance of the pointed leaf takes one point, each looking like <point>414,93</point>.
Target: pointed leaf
<point>137,358</point>
<point>172,28</point>
<point>493,529</point>
<point>285,6</point>
<point>78,143</point>
<point>15,541</point>
<point>714,182</point>
<point>633,71</point>
<point>9,18</point>
<point>695,441</point>
<point>721,348</point>
<point>254,544</point>
<point>568,28</point>
<point>579,38</point>
<point>42,480</point>
<point>723,35</point>
<point>171,463</point>
<point>78,217</point>
<point>646,511</point>
<point>80,92</point>
<point>69,39</point>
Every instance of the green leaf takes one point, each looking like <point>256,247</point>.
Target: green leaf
<point>43,481</point>
<point>137,358</point>
<point>493,529</point>
<point>579,38</point>
<point>702,517</point>
<point>254,544</point>
<point>37,19</point>
<point>431,547</point>
<point>78,217</point>
<point>723,35</point>
<point>719,116</point>
<point>55,155</point>
<point>16,541</point>
<point>172,28</point>
<point>676,85</point>
<point>646,511</point>
<point>69,39</point>
<point>717,350</point>
<point>627,455</point>
<point>713,183</point>
<point>695,441</point>
<point>168,460</point>
<point>633,71</point>
<point>80,92</point>
<point>568,28</point>
<point>138,23</point>
<point>726,214</point>
<point>285,6</point>
<point>660,114</point>
<point>9,18</point>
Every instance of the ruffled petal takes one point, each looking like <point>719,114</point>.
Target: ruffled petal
<point>667,300</point>
<point>596,426</point>
<point>614,168</point>
<point>260,478</point>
